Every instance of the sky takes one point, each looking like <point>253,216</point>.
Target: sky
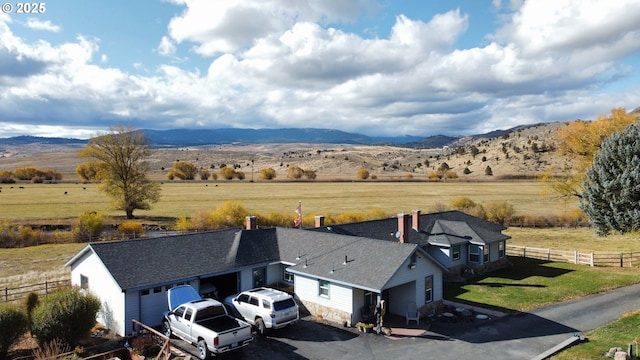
<point>77,68</point>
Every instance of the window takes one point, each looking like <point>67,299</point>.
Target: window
<point>266,304</point>
<point>455,252</point>
<point>84,282</point>
<point>485,252</point>
<point>187,315</point>
<point>474,253</point>
<point>254,301</point>
<point>323,288</point>
<point>179,311</point>
<point>287,276</point>
<point>501,249</point>
<point>428,289</point>
<point>144,292</point>
<point>243,298</point>
<point>370,298</point>
<point>157,289</point>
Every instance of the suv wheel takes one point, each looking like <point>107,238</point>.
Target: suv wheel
<point>260,326</point>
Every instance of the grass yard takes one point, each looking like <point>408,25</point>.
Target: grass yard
<point>620,333</point>
<point>534,283</point>
<point>53,202</point>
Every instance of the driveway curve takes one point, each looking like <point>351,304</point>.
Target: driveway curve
<point>521,336</point>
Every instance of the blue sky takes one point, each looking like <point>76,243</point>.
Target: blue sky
<point>373,67</point>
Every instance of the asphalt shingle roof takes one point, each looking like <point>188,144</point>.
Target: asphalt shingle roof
<point>144,263</point>
<point>459,225</point>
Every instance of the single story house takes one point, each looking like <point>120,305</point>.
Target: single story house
<point>464,244</point>
<point>332,275</point>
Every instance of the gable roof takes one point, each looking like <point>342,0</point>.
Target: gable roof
<point>143,263</point>
<point>370,263</point>
<point>457,225</point>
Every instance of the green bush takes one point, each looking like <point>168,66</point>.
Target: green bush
<point>67,315</point>
<point>13,324</point>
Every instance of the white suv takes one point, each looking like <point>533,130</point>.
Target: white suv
<point>265,308</point>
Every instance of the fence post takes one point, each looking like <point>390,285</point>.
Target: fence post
<point>548,254</point>
<point>621,259</point>
<point>591,263</point>
<point>6,294</point>
<point>46,288</point>
<point>575,257</point>
<point>524,251</point>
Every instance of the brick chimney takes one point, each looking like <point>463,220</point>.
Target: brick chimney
<point>415,217</point>
<point>403,227</point>
<point>319,220</point>
<point>251,222</point>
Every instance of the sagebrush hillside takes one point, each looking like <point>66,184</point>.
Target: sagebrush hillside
<point>522,153</point>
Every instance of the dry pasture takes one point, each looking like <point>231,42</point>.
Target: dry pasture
<point>57,203</point>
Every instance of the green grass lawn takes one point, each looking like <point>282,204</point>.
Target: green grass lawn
<point>620,333</point>
<point>534,283</point>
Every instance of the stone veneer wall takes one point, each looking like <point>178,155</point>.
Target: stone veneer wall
<point>343,317</point>
<point>327,313</point>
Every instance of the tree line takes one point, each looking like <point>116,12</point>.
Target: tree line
<point>29,173</point>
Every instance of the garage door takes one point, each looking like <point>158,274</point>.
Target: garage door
<point>153,303</point>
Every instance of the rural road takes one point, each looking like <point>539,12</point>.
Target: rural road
<point>522,336</point>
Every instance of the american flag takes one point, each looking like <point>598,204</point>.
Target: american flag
<point>298,220</point>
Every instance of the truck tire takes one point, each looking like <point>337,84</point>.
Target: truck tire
<point>203,350</point>
<point>262,329</point>
<point>166,329</point>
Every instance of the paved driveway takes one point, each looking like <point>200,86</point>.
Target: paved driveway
<point>522,336</point>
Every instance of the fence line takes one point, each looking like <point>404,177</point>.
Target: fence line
<point>42,289</point>
<point>617,259</point>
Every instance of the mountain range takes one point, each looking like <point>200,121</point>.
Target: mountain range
<point>193,137</point>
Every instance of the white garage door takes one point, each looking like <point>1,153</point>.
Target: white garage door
<point>153,304</point>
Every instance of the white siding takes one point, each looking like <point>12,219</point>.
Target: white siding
<point>340,296</point>
<point>406,275</point>
<point>103,286</point>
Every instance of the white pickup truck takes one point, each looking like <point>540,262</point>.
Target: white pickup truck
<point>204,323</point>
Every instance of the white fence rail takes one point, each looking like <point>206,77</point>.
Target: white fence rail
<point>618,259</point>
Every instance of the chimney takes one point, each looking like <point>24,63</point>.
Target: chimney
<point>319,220</point>
<point>415,217</point>
<point>251,222</point>
<point>403,227</point>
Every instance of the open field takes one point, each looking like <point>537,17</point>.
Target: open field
<point>54,202</point>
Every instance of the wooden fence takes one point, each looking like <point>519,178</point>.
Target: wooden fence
<point>618,259</point>
<point>42,289</point>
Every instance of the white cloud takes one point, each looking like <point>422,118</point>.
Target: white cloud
<point>37,24</point>
<point>166,47</point>
<point>278,63</point>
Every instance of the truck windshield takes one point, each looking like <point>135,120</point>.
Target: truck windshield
<point>209,312</point>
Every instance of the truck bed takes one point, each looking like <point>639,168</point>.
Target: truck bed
<point>220,324</point>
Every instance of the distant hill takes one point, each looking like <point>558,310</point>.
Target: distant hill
<point>29,140</point>
<point>193,137</point>
<point>200,137</point>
